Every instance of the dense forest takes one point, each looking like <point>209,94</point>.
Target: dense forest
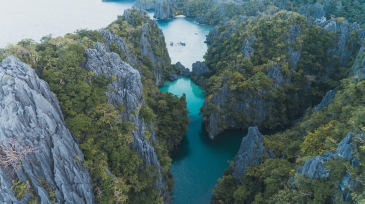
<point>104,129</point>
<point>273,69</point>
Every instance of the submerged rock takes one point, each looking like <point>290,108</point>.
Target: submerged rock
<point>32,124</point>
<point>251,152</point>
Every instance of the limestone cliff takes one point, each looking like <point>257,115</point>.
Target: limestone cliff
<point>44,158</point>
<point>126,89</point>
<point>252,152</point>
<point>148,46</point>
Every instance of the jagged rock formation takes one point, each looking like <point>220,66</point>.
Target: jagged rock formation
<point>252,152</point>
<point>183,71</point>
<point>146,44</point>
<point>315,169</point>
<point>165,9</point>
<point>326,100</point>
<point>172,77</point>
<point>145,5</point>
<point>31,124</point>
<point>200,69</point>
<point>358,68</point>
<point>126,90</point>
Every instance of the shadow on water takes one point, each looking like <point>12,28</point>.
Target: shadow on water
<point>182,150</point>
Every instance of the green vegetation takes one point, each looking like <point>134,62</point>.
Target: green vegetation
<point>118,172</point>
<point>317,132</point>
<point>19,189</point>
<point>322,131</point>
<point>248,79</point>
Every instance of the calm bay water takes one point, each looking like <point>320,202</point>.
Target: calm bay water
<point>34,19</point>
<point>185,30</point>
<point>199,162</point>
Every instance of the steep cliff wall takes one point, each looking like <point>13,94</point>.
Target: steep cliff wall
<point>45,158</point>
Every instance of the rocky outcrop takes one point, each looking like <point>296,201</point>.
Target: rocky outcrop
<point>145,5</point>
<point>251,152</point>
<point>211,35</point>
<point>254,107</point>
<point>125,89</point>
<point>314,167</point>
<point>46,157</point>
<point>183,71</point>
<point>326,100</point>
<point>172,77</point>
<point>165,9</point>
<point>200,69</point>
<point>345,45</point>
<point>111,38</point>
<point>358,68</point>
<point>147,44</point>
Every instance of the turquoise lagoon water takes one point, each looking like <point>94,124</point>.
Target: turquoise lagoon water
<point>199,161</point>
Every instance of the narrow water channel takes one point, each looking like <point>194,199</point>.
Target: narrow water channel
<point>199,162</point>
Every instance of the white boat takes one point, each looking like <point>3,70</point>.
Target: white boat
<point>182,43</point>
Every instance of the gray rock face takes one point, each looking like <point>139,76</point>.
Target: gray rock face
<point>146,5</point>
<point>251,152</point>
<point>358,68</point>
<point>158,62</point>
<point>147,50</point>
<point>164,9</point>
<point>343,48</point>
<point>212,34</point>
<point>257,108</point>
<point>126,90</point>
<point>247,49</point>
<point>326,100</point>
<point>277,75</point>
<point>31,119</point>
<point>314,168</point>
<point>183,71</point>
<point>111,38</point>
<point>312,11</point>
<point>200,69</point>
<point>172,77</point>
